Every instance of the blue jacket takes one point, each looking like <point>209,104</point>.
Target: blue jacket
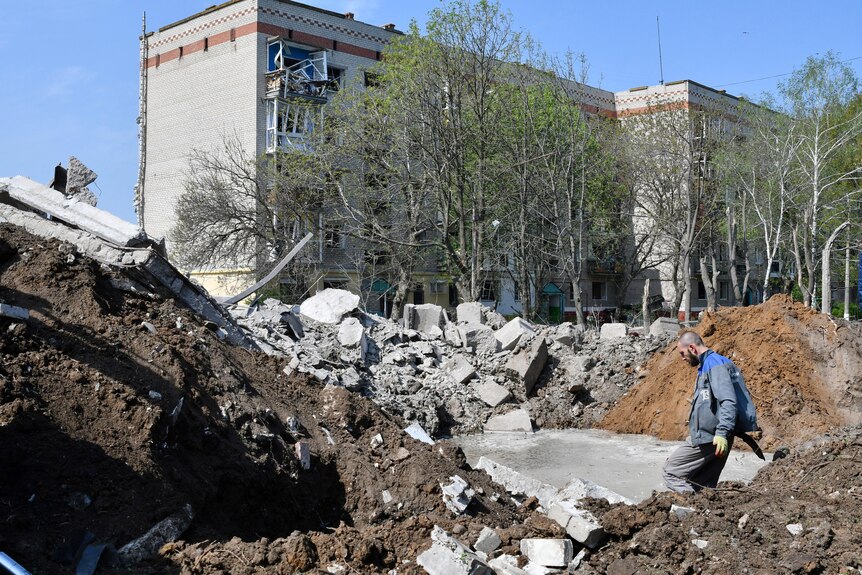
<point>721,404</point>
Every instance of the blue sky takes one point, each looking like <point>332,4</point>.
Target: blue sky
<point>69,69</point>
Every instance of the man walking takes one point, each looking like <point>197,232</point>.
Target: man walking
<point>720,407</point>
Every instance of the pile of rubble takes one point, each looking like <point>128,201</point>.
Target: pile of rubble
<point>478,372</point>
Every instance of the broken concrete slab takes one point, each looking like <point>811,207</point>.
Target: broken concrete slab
<point>457,495</point>
<point>510,334</point>
<point>415,431</point>
<point>470,312</point>
<point>303,454</point>
<point>14,312</point>
<point>577,489</point>
<point>488,541</point>
<point>459,369</point>
<point>491,393</point>
<point>664,326</point>
<point>580,525</point>
<point>448,556</point>
<point>99,223</point>
<point>548,552</point>
<point>529,363</point>
<point>516,420</point>
<point>680,512</point>
<point>329,305</point>
<point>614,330</point>
<point>517,483</point>
<point>478,338</point>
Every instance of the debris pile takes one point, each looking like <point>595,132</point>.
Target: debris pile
<point>452,377</point>
<point>803,368</point>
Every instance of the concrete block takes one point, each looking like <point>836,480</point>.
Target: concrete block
<point>470,312</point>
<point>351,334</point>
<point>577,489</point>
<point>491,393</point>
<point>147,546</point>
<point>517,483</point>
<point>424,317</point>
<point>517,420</point>
<point>488,541</point>
<point>580,525</point>
<point>415,431</point>
<point>447,556</point>
<point>614,330</point>
<point>457,495</point>
<point>548,552</point>
<point>294,323</point>
<point>78,177</point>
<point>478,338</point>
<point>529,363</point>
<point>459,369</point>
<point>510,334</point>
<point>329,305</point>
<point>14,312</point>
<point>664,325</point>
<point>350,379</point>
<point>795,528</point>
<point>583,363</point>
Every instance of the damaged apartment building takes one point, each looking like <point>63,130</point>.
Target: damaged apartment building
<point>241,67</point>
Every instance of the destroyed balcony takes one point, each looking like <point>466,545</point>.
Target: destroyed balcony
<point>308,78</point>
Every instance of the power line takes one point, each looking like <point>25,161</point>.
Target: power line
<point>775,76</point>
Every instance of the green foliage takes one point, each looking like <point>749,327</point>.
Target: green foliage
<point>838,310</point>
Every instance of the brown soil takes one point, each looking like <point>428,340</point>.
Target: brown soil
<point>746,527</point>
<point>109,428</point>
<point>803,368</point>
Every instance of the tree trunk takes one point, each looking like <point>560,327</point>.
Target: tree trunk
<point>645,307</point>
<point>847,278</point>
<point>826,280</point>
<point>706,278</point>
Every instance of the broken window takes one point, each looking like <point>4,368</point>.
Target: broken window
<point>489,291</point>
<point>332,236</point>
<point>287,123</point>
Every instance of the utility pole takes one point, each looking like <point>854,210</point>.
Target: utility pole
<point>660,65</point>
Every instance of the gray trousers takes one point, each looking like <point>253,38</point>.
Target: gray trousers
<point>690,468</point>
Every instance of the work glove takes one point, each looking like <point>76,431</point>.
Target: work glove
<point>720,444</point>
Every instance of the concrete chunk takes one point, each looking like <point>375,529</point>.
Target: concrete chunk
<point>681,512</point>
<point>614,330</point>
<point>491,393</point>
<point>165,531</point>
<point>457,495</point>
<point>548,552</point>
<point>577,489</point>
<point>447,556</point>
<point>351,334</point>
<point>330,305</point>
<point>506,565</point>
<point>470,312</point>
<point>529,363</point>
<point>510,334</point>
<point>424,317</point>
<point>580,525</point>
<point>459,369</point>
<point>664,325</point>
<point>14,312</point>
<point>478,338</point>
<point>415,431</point>
<point>517,483</point>
<point>517,420</point>
<point>488,541</point>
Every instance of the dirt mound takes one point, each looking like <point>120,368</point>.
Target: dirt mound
<point>803,368</point>
<point>117,409</point>
<point>799,515</point>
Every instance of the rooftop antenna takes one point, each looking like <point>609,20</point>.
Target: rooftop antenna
<point>660,65</point>
<point>142,125</point>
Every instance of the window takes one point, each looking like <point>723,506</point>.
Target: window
<point>332,237</point>
<point>489,293</point>
<point>701,290</point>
<point>598,290</point>
<point>418,294</point>
<point>453,295</point>
<point>336,78</point>
<point>438,286</point>
<point>724,291</point>
<point>516,288</point>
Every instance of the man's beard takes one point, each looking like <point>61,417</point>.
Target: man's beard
<point>691,359</point>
